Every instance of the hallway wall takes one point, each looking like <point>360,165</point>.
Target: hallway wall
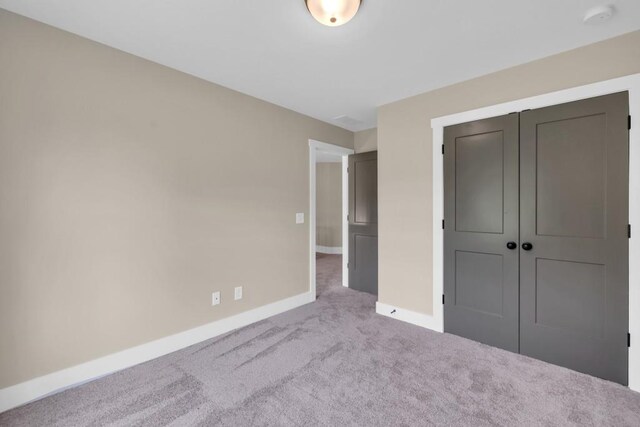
<point>329,204</point>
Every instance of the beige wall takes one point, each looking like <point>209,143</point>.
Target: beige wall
<point>365,140</point>
<point>329,204</point>
<point>129,192</point>
<point>404,159</point>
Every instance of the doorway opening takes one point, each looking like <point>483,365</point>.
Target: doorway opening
<point>328,211</point>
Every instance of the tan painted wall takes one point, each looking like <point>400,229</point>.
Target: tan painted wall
<point>404,159</point>
<point>129,192</point>
<point>365,140</point>
<point>329,204</point>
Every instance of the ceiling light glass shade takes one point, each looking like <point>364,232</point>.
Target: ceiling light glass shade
<point>333,12</point>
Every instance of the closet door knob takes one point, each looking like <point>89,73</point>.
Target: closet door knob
<point>527,246</point>
<point>512,245</point>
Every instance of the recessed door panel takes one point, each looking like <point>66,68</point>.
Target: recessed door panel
<point>479,282</point>
<point>571,165</point>
<point>365,250</point>
<point>365,176</point>
<point>571,296</point>
<point>481,217</point>
<point>574,214</point>
<point>479,182</point>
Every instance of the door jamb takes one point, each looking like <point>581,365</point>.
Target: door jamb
<point>314,147</point>
<point>629,83</point>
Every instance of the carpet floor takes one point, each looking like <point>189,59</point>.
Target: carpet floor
<point>335,362</point>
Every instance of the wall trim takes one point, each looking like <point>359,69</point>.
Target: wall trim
<point>37,388</point>
<point>418,319</point>
<point>345,221</point>
<point>332,250</point>
<point>630,83</point>
<point>314,147</point>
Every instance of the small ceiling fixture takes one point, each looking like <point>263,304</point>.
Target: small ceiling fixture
<point>333,13</point>
<point>598,14</point>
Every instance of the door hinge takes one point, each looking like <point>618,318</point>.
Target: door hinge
<point>629,122</point>
<point>347,217</point>
<point>628,339</point>
<point>629,230</point>
<point>347,170</point>
<point>348,266</point>
<point>442,299</point>
<point>443,224</point>
<point>442,148</point>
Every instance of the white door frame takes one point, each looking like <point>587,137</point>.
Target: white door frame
<point>314,147</point>
<point>629,83</point>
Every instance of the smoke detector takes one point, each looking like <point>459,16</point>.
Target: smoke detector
<point>598,14</point>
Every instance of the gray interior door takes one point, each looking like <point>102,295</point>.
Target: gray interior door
<point>363,222</point>
<point>481,231</point>
<point>574,214</point>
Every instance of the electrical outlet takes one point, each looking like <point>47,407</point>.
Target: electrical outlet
<point>237,293</point>
<point>215,298</point>
<point>300,218</point>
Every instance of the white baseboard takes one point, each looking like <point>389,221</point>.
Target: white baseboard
<point>27,391</point>
<point>333,250</point>
<point>418,319</point>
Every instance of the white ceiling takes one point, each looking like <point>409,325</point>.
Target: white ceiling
<point>274,50</point>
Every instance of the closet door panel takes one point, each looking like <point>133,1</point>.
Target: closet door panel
<point>481,218</point>
<point>574,215</point>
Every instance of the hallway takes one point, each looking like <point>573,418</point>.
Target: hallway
<point>328,272</point>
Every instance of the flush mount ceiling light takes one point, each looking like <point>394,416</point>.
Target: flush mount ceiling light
<point>333,13</point>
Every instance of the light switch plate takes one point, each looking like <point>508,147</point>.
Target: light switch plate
<point>237,293</point>
<point>300,218</point>
<point>215,298</point>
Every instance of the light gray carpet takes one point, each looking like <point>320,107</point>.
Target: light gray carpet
<point>336,362</point>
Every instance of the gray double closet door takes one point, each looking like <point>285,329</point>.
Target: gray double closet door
<point>536,251</point>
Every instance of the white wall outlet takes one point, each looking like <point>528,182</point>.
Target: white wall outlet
<point>300,218</point>
<point>215,298</point>
<point>237,293</point>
